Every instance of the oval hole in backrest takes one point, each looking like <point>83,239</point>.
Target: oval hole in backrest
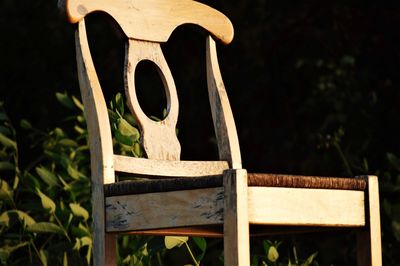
<point>150,90</point>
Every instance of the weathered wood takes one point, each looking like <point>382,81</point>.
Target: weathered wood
<point>306,207</point>
<point>224,124</point>
<point>235,205</point>
<point>155,20</point>
<point>168,168</point>
<point>369,247</point>
<point>101,151</point>
<point>163,210</point>
<point>111,249</point>
<point>374,221</point>
<point>159,137</point>
<point>236,223</point>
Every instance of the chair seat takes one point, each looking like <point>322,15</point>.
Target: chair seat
<point>141,186</point>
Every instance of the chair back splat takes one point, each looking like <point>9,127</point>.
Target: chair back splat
<point>147,24</point>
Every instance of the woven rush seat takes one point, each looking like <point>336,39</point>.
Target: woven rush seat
<point>254,179</point>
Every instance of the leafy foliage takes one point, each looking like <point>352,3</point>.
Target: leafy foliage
<point>45,208</point>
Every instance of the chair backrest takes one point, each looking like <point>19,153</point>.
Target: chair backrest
<point>146,24</point>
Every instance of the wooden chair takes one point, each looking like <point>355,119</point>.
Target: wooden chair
<point>198,197</point>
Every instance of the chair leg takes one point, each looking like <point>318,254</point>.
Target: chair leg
<point>236,223</point>
<point>111,248</point>
<point>104,245</point>
<point>369,250</point>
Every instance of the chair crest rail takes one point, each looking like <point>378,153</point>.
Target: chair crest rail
<point>155,20</point>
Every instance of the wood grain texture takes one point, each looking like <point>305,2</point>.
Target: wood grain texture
<point>111,249</point>
<point>236,223</point>
<point>306,207</point>
<point>163,210</point>
<point>155,20</point>
<point>167,168</point>
<point>158,137</point>
<point>224,124</point>
<point>101,152</point>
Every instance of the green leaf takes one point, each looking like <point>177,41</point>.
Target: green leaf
<point>66,186</point>
<point>45,227</point>
<point>4,219</point>
<point>48,177</point>
<point>130,119</point>
<point>7,142</point>
<point>79,130</point>
<point>68,143</point>
<point>59,132</point>
<point>81,119</point>
<point>65,100</point>
<point>77,245</point>
<point>127,129</point>
<point>122,139</point>
<point>43,257</point>
<point>6,166</point>
<point>47,203</point>
<point>118,102</point>
<point>3,155</point>
<point>79,211</point>
<point>84,229</point>
<point>82,242</point>
<point>175,241</point>
<point>86,241</point>
<point>266,245</point>
<point>62,158</point>
<point>5,251</point>
<point>65,259</point>
<point>202,244</point>
<point>137,150</point>
<point>77,103</point>
<point>28,221</point>
<point>5,191</point>
<point>155,118</point>
<point>272,254</point>
<point>73,172</point>
<point>11,214</point>
<point>310,259</point>
<point>25,124</point>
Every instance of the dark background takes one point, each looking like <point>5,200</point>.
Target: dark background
<point>314,86</point>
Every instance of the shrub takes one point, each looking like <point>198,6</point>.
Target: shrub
<point>45,207</point>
